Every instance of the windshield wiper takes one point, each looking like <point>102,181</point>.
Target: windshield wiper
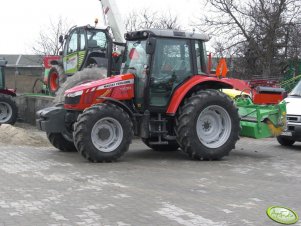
<point>295,95</point>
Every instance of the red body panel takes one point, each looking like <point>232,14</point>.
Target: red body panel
<point>119,87</point>
<point>263,82</point>
<point>239,84</point>
<point>48,59</point>
<point>267,98</point>
<point>180,93</point>
<point>9,92</point>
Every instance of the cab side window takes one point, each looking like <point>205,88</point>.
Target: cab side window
<point>73,43</point>
<point>201,57</point>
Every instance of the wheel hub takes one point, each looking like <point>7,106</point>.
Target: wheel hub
<point>206,126</point>
<point>104,134</point>
<point>213,126</point>
<point>107,134</point>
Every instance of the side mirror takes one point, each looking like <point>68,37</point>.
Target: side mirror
<point>61,53</point>
<point>61,39</point>
<point>150,46</point>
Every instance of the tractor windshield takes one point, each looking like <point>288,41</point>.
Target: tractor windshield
<point>135,57</point>
<point>97,39</point>
<point>135,62</point>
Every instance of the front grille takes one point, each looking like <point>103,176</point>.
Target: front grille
<point>72,100</point>
<point>293,118</point>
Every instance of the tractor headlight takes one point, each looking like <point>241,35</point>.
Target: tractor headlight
<point>73,98</point>
<point>75,94</point>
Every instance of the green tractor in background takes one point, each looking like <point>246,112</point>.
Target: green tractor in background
<point>87,55</point>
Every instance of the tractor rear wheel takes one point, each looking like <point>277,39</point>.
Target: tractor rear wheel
<point>55,78</point>
<point>80,77</point>
<point>172,146</point>
<point>8,110</point>
<point>61,141</point>
<point>103,133</point>
<point>208,125</point>
<point>285,141</point>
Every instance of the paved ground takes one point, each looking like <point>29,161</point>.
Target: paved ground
<point>42,186</point>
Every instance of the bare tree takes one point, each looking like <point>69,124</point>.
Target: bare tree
<point>48,42</point>
<point>146,19</point>
<point>254,29</point>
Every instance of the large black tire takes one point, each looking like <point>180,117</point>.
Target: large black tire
<point>62,142</point>
<point>80,77</point>
<point>8,109</point>
<point>103,133</point>
<point>208,125</point>
<point>285,141</point>
<point>172,146</point>
<point>56,77</point>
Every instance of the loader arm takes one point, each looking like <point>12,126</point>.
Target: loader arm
<point>113,18</point>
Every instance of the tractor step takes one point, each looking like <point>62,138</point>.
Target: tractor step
<point>158,132</point>
<point>158,142</point>
<point>158,121</point>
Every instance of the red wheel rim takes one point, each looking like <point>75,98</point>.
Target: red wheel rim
<point>53,81</point>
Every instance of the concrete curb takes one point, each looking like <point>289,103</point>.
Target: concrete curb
<point>29,104</point>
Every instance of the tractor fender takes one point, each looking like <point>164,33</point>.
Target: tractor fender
<point>9,92</point>
<point>119,104</point>
<point>56,62</point>
<point>195,83</point>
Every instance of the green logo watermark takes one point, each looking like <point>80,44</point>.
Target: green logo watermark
<point>282,215</point>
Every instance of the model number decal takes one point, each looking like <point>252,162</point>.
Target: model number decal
<point>111,85</point>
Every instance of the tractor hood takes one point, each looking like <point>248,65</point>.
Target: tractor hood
<point>119,88</point>
<point>106,83</point>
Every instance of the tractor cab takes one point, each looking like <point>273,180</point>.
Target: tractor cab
<point>3,63</point>
<point>161,61</point>
<point>85,46</point>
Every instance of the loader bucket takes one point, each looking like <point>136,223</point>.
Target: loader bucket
<point>261,121</point>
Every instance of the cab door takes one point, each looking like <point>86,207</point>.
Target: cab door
<point>82,52</point>
<point>172,64</point>
<point>71,53</point>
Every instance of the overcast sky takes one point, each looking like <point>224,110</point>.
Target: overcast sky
<point>22,20</point>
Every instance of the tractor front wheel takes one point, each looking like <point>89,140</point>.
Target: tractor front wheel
<point>103,133</point>
<point>8,110</point>
<point>208,125</point>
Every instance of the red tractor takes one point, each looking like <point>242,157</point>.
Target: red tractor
<point>8,107</point>
<point>165,95</point>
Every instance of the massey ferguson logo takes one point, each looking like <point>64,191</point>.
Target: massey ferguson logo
<point>111,85</point>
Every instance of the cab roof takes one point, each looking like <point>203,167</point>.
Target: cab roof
<point>167,33</point>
